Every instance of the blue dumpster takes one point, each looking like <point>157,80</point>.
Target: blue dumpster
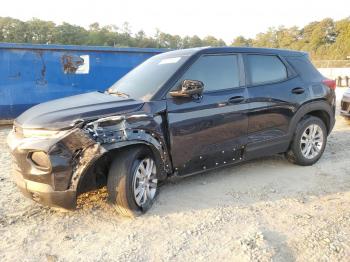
<point>32,74</point>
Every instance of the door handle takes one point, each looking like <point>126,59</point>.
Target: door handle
<point>298,90</point>
<point>236,99</point>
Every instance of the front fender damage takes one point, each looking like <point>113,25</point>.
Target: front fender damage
<point>120,131</point>
<point>76,152</point>
<point>86,158</point>
<point>105,134</point>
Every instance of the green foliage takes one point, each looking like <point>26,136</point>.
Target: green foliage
<point>242,41</point>
<point>325,39</point>
<point>46,32</point>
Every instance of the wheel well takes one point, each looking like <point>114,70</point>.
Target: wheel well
<point>96,175</point>
<point>323,115</point>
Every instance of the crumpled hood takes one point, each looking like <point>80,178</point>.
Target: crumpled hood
<point>62,113</point>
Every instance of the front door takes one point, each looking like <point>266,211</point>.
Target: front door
<point>209,131</point>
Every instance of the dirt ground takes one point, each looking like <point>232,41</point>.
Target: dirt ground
<point>263,210</point>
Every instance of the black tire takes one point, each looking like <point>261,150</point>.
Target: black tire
<point>294,154</point>
<point>120,181</point>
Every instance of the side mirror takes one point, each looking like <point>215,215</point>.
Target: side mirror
<point>189,88</point>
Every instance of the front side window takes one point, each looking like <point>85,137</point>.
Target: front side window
<point>217,72</point>
<point>147,78</point>
<point>265,69</point>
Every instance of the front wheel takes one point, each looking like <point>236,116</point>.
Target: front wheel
<point>309,142</point>
<point>132,181</point>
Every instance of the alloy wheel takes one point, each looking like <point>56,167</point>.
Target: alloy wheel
<point>311,141</point>
<point>145,181</point>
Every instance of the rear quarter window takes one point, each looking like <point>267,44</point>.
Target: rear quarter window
<point>304,68</point>
<point>265,69</point>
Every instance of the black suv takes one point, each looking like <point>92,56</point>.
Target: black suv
<point>178,113</point>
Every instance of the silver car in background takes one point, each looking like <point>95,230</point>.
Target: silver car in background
<point>345,104</point>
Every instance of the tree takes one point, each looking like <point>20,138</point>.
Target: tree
<point>13,30</point>
<point>241,41</point>
<point>325,39</point>
<point>195,41</point>
<point>68,34</point>
<point>212,41</point>
<point>341,46</point>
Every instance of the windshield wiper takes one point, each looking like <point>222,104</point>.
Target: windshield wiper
<point>118,93</point>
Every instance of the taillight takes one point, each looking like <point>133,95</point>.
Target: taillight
<point>330,83</point>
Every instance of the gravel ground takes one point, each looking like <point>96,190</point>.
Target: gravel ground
<point>264,210</point>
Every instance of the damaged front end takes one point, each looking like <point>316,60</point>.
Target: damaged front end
<point>55,168</point>
<point>119,131</point>
<point>44,165</point>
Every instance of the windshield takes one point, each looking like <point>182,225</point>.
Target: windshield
<point>145,80</point>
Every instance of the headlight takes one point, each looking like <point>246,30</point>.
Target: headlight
<point>42,133</point>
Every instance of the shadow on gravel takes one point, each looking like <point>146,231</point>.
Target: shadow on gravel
<point>278,242</point>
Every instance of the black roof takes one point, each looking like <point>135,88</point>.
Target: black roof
<point>215,50</point>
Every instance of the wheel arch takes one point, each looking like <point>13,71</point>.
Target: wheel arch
<point>157,151</point>
<point>115,133</point>
<point>96,174</point>
<point>320,109</point>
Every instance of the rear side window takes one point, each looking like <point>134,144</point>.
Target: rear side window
<point>217,72</point>
<point>265,69</point>
<point>305,68</point>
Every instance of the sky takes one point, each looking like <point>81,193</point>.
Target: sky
<point>220,18</point>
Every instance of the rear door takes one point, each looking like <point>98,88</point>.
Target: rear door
<point>209,131</point>
<point>275,93</point>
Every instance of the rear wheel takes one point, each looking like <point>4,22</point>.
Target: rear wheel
<point>309,142</point>
<point>132,181</point>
